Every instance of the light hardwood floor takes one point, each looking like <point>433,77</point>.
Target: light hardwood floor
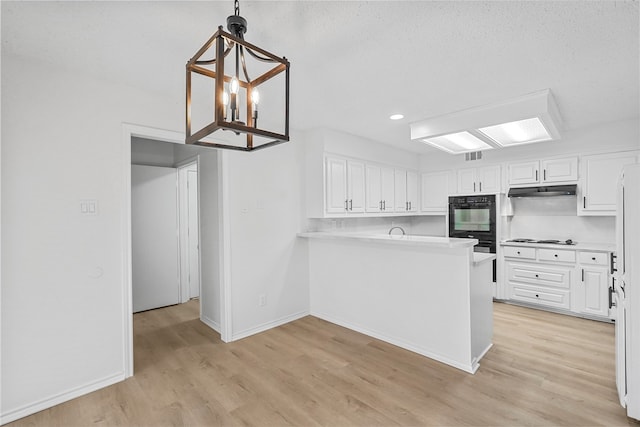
<point>544,369</point>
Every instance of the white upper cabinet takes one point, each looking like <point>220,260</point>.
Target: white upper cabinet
<point>435,192</point>
<point>559,170</point>
<point>345,186</point>
<point>406,191</point>
<point>336,185</point>
<point>379,189</point>
<point>479,180</point>
<point>599,179</point>
<point>546,171</point>
<point>355,186</point>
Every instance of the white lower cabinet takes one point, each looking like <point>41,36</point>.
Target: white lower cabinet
<point>540,284</point>
<point>592,290</point>
<point>568,280</point>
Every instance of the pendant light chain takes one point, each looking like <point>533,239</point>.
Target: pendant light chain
<point>236,5</point>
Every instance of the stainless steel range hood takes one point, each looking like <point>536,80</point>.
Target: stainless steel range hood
<point>547,191</point>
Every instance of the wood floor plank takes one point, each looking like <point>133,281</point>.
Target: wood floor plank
<point>544,369</point>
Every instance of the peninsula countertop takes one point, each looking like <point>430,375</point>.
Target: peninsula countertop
<point>414,240</point>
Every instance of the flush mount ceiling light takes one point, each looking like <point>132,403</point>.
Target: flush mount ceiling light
<point>396,117</point>
<point>458,143</point>
<point>523,120</point>
<point>235,94</point>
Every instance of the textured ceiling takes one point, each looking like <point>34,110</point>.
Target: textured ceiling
<point>355,63</point>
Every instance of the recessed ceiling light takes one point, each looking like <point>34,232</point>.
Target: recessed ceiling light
<point>458,143</point>
<point>396,116</point>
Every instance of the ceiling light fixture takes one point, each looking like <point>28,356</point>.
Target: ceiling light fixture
<point>523,120</point>
<point>235,95</point>
<point>396,117</point>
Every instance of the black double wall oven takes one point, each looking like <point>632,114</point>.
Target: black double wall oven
<point>474,217</point>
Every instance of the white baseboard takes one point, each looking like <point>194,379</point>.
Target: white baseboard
<point>269,325</point>
<point>210,323</point>
<point>57,399</point>
<point>400,343</point>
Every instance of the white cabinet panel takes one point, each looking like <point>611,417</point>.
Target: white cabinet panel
<point>373,195</point>
<point>356,186</point>
<point>400,184</point>
<point>412,191</point>
<point>524,173</point>
<point>435,192</point>
<point>558,170</point>
<point>599,179</point>
<point>479,180</point>
<point>387,188</point>
<point>336,185</point>
<point>593,291</point>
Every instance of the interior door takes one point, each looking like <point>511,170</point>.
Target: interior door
<point>193,234</point>
<point>154,237</point>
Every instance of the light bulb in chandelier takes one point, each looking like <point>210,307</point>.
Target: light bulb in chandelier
<point>255,98</point>
<point>234,86</point>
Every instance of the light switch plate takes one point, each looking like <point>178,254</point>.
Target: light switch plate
<point>89,207</point>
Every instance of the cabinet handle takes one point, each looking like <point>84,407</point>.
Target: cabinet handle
<point>409,205</point>
<point>406,206</point>
<point>584,202</point>
<point>593,258</point>
<point>474,187</point>
<point>351,204</point>
<point>346,205</point>
<point>611,304</point>
<point>518,252</point>
<point>384,205</point>
<point>380,204</point>
<point>537,296</point>
<point>481,186</point>
<point>583,274</point>
<point>555,255</point>
<point>612,261</point>
<point>536,175</point>
<point>544,174</point>
<point>536,276</point>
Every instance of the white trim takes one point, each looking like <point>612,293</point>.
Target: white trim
<point>132,130</point>
<point>185,290</point>
<point>210,323</point>
<point>226,326</point>
<point>270,325</point>
<point>59,398</point>
<point>470,368</point>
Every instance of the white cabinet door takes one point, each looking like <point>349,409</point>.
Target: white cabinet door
<point>374,185</point>
<point>593,291</point>
<point>524,173</point>
<point>467,181</point>
<point>560,170</point>
<point>400,191</point>
<point>488,179</point>
<point>435,192</point>
<point>387,189</point>
<point>599,180</point>
<point>336,185</point>
<point>412,191</point>
<point>356,186</point>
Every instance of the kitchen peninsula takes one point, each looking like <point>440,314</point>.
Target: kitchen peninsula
<point>430,295</point>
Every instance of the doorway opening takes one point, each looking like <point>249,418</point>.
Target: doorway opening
<point>197,231</point>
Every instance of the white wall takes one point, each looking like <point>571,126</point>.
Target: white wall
<point>62,275</point>
<point>265,209</point>
<point>152,153</point>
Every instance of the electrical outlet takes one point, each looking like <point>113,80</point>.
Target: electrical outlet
<point>262,300</point>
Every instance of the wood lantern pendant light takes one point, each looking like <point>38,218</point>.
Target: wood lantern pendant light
<point>234,91</point>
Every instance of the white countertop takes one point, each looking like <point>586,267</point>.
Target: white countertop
<point>581,246</point>
<point>480,257</point>
<point>443,242</point>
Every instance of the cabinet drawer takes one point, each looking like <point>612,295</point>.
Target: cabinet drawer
<point>556,255</point>
<point>542,296</point>
<point>593,258</point>
<point>539,275</point>
<point>519,252</point>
